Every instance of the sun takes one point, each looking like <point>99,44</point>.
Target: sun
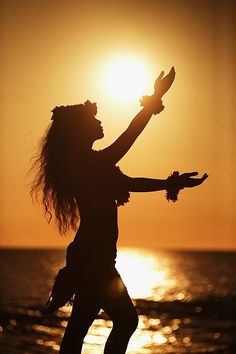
<point>126,78</point>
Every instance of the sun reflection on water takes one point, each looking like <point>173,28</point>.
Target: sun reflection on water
<point>144,275</point>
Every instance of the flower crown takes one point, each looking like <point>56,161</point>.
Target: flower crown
<point>87,107</point>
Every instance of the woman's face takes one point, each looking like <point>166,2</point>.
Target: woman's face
<point>95,128</point>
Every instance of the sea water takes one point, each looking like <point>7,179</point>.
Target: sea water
<point>185,301</point>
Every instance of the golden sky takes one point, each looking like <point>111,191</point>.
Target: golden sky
<point>56,52</point>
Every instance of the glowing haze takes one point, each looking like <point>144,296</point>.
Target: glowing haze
<point>126,78</point>
<point>64,52</point>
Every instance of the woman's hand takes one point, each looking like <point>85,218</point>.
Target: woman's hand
<point>185,180</point>
<point>175,182</point>
<point>162,84</point>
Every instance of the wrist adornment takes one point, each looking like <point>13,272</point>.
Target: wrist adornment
<point>153,103</point>
<point>173,187</point>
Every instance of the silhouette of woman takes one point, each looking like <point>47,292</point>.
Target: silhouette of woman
<point>76,182</point>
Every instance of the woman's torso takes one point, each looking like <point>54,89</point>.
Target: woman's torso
<point>97,235</point>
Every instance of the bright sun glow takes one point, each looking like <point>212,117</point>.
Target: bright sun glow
<point>126,78</point>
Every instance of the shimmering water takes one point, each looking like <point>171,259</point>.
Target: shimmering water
<point>185,300</point>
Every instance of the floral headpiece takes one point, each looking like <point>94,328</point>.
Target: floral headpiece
<point>87,107</point>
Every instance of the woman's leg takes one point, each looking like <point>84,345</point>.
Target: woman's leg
<point>118,305</point>
<point>83,314</point>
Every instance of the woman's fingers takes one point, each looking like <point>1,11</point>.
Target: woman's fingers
<point>189,174</point>
<point>204,176</point>
<point>163,84</point>
<point>158,79</point>
<point>160,75</point>
<point>172,70</point>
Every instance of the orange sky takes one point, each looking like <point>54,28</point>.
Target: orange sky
<point>53,53</point>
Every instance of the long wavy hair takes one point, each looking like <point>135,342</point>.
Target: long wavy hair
<point>53,166</point>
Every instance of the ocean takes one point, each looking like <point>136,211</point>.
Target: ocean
<point>186,302</point>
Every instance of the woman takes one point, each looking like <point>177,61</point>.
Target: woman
<point>80,183</point>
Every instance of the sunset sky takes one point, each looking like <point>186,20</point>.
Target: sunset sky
<point>63,52</point>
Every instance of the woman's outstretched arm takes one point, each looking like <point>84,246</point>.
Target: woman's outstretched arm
<point>142,184</point>
<point>119,148</point>
<point>150,185</point>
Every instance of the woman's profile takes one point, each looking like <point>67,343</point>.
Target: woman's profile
<point>79,184</point>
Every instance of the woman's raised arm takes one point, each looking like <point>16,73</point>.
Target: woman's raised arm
<point>152,105</point>
<point>119,148</point>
